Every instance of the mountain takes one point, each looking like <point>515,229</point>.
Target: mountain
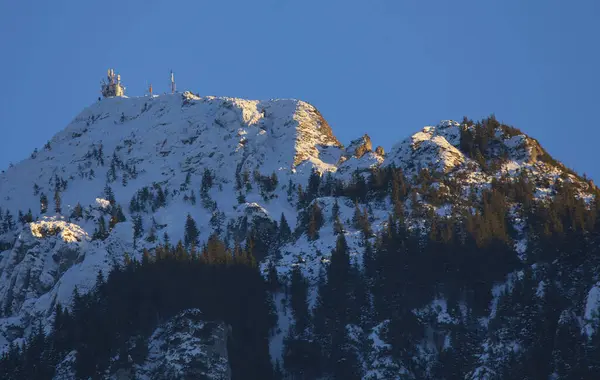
<point>443,246</point>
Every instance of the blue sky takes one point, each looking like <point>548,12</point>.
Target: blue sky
<point>384,67</point>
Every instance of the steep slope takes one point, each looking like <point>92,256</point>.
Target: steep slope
<point>236,167</point>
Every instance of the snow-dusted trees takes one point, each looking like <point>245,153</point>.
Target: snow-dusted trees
<point>148,199</point>
<point>116,216</point>
<point>7,221</point>
<point>101,232</point>
<point>216,221</point>
<point>118,316</point>
<point>338,305</point>
<point>77,211</point>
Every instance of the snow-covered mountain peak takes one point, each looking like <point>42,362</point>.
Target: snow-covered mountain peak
<point>128,173</point>
<point>164,137</point>
<point>434,148</point>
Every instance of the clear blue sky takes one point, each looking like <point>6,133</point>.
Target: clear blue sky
<point>385,67</point>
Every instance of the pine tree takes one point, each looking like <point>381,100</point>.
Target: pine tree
<point>315,221</point>
<point>338,226</point>
<point>302,198</point>
<point>272,277</point>
<point>166,240</point>
<point>108,193</point>
<point>161,198</point>
<point>191,232</point>
<point>314,182</point>
<point>335,211</point>
<point>101,233</point>
<point>77,212</point>
<point>299,301</point>
<point>43,203</point>
<point>357,217</point>
<point>365,224</point>
<point>207,182</point>
<point>28,218</point>
<point>57,202</point>
<point>138,228</point>
<point>285,232</point>
<point>8,222</point>
<point>332,310</point>
<point>301,354</point>
<point>120,215</point>
<point>290,189</point>
<point>117,216</point>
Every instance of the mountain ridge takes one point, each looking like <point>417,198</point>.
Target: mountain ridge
<point>233,165</point>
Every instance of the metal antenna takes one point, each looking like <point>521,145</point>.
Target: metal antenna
<point>172,82</point>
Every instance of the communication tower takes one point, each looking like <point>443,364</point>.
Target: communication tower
<point>173,88</point>
<point>112,86</point>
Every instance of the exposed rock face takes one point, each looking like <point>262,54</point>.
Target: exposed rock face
<point>32,273</point>
<point>360,147</point>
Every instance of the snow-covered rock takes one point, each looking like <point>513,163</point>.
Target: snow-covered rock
<point>256,153</point>
<point>184,347</point>
<point>434,148</point>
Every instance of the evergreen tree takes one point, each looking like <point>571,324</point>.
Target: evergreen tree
<point>77,211</point>
<point>207,182</point>
<point>299,301</point>
<point>338,226</point>
<point>166,240</point>
<point>314,182</point>
<point>301,354</point>
<point>272,277</point>
<point>335,211</point>
<point>285,232</point>
<point>8,222</point>
<point>161,198</point>
<point>315,221</point>
<point>191,232</point>
<point>138,228</point>
<point>101,233</point>
<point>43,203</point>
<point>290,189</point>
<point>108,193</point>
<point>57,202</point>
<point>28,218</point>
<point>117,216</point>
<point>332,310</point>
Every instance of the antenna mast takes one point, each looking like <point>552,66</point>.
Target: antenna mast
<point>172,82</point>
